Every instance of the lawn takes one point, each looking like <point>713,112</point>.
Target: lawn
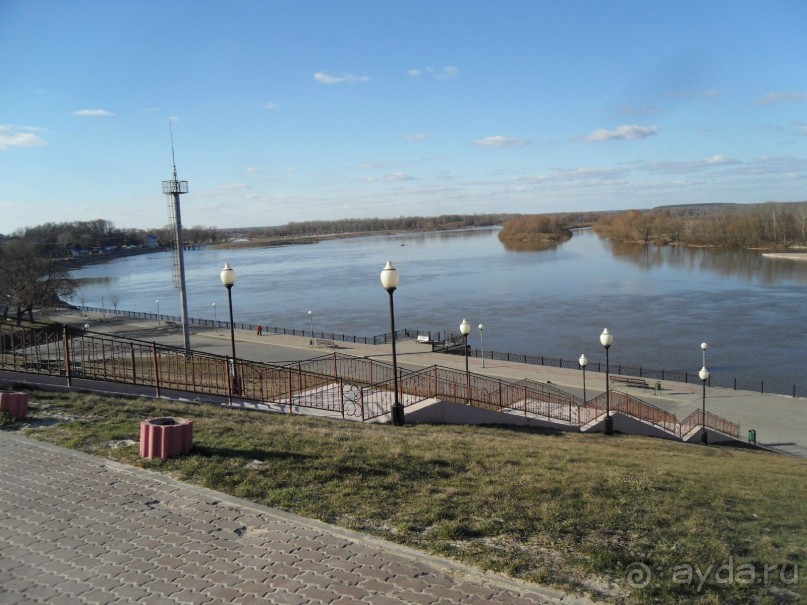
<point>623,518</point>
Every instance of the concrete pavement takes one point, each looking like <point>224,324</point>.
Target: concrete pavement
<point>77,529</point>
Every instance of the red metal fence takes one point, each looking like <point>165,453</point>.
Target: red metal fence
<point>338,384</point>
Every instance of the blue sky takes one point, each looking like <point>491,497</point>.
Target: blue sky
<point>295,110</point>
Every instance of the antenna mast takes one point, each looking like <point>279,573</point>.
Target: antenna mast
<point>174,188</point>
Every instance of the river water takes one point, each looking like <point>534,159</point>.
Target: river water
<point>660,303</point>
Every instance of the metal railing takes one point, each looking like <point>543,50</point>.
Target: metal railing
<point>333,383</point>
<point>450,343</point>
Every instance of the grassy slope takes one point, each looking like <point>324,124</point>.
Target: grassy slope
<point>576,511</point>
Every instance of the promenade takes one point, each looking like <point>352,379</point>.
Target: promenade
<point>780,421</point>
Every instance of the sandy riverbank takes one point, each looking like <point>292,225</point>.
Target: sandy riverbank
<point>787,255</point>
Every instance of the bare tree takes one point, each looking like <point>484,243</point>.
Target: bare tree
<point>114,299</point>
<point>30,279</point>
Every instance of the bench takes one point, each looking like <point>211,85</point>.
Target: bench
<point>424,339</point>
<point>631,382</point>
<point>321,342</point>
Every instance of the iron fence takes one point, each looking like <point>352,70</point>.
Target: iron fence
<point>450,343</point>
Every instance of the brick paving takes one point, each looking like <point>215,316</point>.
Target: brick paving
<point>79,529</point>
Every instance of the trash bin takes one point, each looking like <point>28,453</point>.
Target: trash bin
<point>658,387</point>
<point>752,436</point>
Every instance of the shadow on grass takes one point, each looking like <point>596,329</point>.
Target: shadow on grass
<point>532,430</point>
<point>247,454</point>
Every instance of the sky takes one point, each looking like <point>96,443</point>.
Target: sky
<point>294,110</point>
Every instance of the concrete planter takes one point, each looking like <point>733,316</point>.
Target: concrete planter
<point>16,404</point>
<point>165,437</point>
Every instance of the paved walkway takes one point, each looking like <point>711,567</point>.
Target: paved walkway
<point>780,421</point>
<point>78,529</point>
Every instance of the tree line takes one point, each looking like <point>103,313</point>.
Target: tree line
<point>58,239</point>
<point>315,228</point>
<point>772,224</point>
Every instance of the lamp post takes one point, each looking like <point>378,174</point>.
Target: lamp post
<point>227,276</point>
<point>311,321</point>
<point>583,363</point>
<point>606,340</point>
<point>390,280</point>
<point>103,312</point>
<point>704,376</point>
<point>482,343</point>
<point>157,302</point>
<point>215,323</point>
<point>465,328</point>
<point>704,346</point>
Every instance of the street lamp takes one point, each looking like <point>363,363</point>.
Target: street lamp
<point>482,343</point>
<point>311,321</point>
<point>704,346</point>
<point>583,363</point>
<point>103,312</point>
<point>390,280</point>
<point>465,328</point>
<point>215,323</point>
<point>158,311</point>
<point>227,276</point>
<point>606,340</point>
<point>704,376</point>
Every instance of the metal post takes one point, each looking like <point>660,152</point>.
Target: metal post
<point>609,422</point>
<point>704,439</point>
<point>397,408</point>
<point>467,372</point>
<point>584,385</point>
<point>233,371</point>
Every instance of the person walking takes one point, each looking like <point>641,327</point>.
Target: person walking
<point>260,330</point>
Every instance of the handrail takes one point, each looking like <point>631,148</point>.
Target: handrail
<point>329,382</point>
<point>456,348</point>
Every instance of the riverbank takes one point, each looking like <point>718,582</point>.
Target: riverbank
<point>800,256</point>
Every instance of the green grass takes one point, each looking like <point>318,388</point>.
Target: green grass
<point>577,511</point>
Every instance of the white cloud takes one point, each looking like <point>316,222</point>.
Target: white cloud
<point>395,177</point>
<point>271,105</point>
<point>9,137</point>
<point>417,136</point>
<point>252,170</point>
<point>448,72</point>
<point>93,113</point>
<point>372,165</point>
<point>574,175</point>
<point>781,97</point>
<point>324,78</point>
<point>235,186</point>
<point>499,142</point>
<point>626,132</point>
<point>716,161</point>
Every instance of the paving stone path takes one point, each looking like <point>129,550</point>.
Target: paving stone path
<point>79,529</point>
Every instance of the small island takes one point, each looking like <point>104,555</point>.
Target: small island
<point>535,232</point>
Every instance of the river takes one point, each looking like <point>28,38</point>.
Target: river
<point>660,303</point>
